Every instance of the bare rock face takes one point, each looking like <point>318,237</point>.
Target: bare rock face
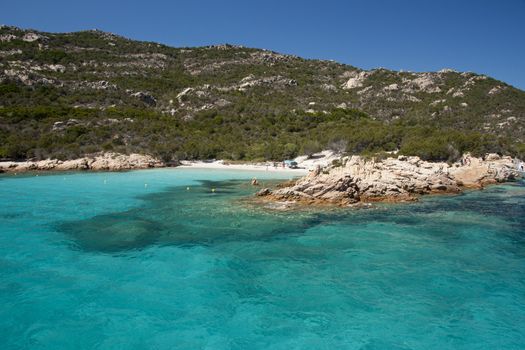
<point>98,85</point>
<point>426,82</point>
<point>478,173</point>
<point>103,161</point>
<point>274,81</point>
<point>114,161</point>
<point>356,80</point>
<point>392,179</point>
<point>7,37</point>
<point>30,37</point>
<point>184,93</point>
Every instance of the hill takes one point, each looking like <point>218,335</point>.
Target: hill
<point>64,95</point>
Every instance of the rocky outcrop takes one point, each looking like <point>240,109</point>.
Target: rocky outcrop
<point>478,173</point>
<point>145,97</point>
<point>103,161</point>
<point>97,85</point>
<point>392,180</point>
<point>263,192</point>
<point>356,79</point>
<point>30,37</point>
<point>274,81</point>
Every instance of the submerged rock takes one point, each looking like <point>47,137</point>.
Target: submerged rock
<point>263,192</point>
<point>113,233</point>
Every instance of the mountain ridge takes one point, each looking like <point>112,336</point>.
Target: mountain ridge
<point>242,46</point>
<point>98,71</point>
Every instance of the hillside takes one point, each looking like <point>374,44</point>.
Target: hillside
<point>68,94</point>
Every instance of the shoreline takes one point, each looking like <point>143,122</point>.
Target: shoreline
<point>110,161</point>
<point>116,162</point>
<point>353,180</point>
<point>220,165</point>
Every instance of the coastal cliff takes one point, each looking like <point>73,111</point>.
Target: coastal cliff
<point>356,179</point>
<point>101,161</point>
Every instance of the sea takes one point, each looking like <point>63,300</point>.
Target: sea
<point>187,258</point>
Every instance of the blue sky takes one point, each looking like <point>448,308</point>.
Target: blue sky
<point>482,36</point>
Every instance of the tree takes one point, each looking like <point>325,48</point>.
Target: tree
<point>310,147</point>
<point>338,145</point>
<point>290,150</point>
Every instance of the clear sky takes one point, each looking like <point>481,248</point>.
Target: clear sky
<point>484,36</point>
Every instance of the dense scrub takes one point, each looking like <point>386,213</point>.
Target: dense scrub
<point>64,133</point>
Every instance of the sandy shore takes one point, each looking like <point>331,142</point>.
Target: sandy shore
<point>110,161</point>
<point>118,162</point>
<point>219,164</point>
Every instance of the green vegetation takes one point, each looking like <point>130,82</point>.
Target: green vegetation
<point>31,132</point>
<point>65,95</point>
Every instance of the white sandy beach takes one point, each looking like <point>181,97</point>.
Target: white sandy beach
<point>111,161</point>
<point>219,164</point>
<point>304,163</point>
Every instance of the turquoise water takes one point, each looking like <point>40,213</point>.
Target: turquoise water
<point>101,261</point>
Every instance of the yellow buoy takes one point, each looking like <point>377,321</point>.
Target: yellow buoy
<point>213,189</point>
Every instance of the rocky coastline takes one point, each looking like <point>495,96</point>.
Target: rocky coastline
<point>108,161</point>
<point>355,180</point>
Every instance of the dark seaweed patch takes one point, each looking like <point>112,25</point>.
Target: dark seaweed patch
<point>198,216</point>
<point>113,232</point>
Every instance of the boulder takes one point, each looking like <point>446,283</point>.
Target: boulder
<point>30,37</point>
<point>356,80</point>
<point>145,97</point>
<point>492,156</point>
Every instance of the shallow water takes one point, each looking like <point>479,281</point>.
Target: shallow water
<point>99,260</point>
